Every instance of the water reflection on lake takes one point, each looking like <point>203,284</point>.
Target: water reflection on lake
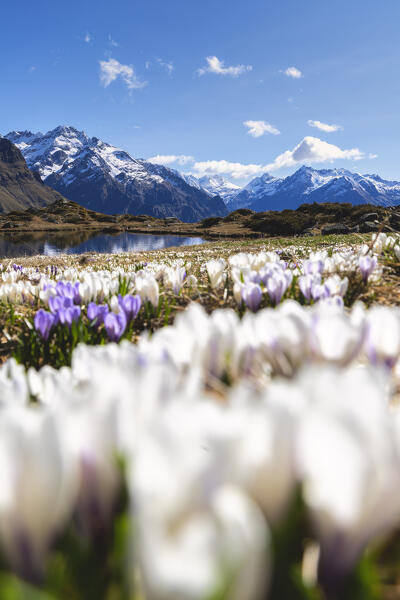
<point>81,242</point>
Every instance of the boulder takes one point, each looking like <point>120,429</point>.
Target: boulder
<point>369,217</point>
<point>335,228</point>
<point>368,227</point>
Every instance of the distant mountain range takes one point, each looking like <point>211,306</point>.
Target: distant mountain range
<point>19,187</point>
<point>309,185</point>
<point>106,179</point>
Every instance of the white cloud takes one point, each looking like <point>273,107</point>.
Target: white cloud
<point>229,169</point>
<point>111,69</point>
<point>88,37</point>
<point>309,150</point>
<point>168,66</point>
<point>168,159</point>
<point>313,150</point>
<point>293,72</point>
<point>112,42</point>
<point>214,65</point>
<point>259,128</point>
<point>324,126</point>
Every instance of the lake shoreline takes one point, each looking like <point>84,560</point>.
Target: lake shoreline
<point>65,217</point>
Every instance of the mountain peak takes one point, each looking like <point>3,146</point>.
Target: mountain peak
<point>307,185</point>
<point>105,178</point>
<point>217,185</point>
<point>9,153</point>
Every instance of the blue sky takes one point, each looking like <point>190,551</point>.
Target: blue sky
<point>136,75</point>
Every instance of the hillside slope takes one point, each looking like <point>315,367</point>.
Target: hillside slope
<point>19,187</point>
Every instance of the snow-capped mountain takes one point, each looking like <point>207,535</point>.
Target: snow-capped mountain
<point>214,186</point>
<point>219,186</point>
<point>107,179</point>
<point>308,185</point>
<point>265,185</point>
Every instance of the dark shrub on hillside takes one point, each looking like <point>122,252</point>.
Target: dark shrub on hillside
<point>210,222</point>
<point>240,212</point>
<point>288,222</point>
<point>103,218</point>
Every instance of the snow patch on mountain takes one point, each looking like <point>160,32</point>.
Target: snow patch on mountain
<point>219,186</point>
<point>103,177</point>
<point>308,185</point>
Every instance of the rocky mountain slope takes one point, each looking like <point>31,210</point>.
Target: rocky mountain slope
<point>260,187</point>
<point>219,186</point>
<point>104,178</point>
<point>19,187</point>
<point>308,185</point>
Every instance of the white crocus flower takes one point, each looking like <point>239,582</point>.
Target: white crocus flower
<point>216,272</point>
<point>333,337</point>
<point>237,292</point>
<point>13,384</point>
<point>336,286</point>
<point>348,459</point>
<point>378,242</point>
<point>174,279</point>
<point>224,546</point>
<point>85,292</point>
<point>147,288</point>
<point>382,344</point>
<point>88,432</point>
<point>114,304</point>
<point>260,452</point>
<point>193,529</point>
<point>36,492</point>
<point>191,281</point>
<point>46,294</point>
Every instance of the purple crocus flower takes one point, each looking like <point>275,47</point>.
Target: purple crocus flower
<point>312,267</point>
<point>63,288</point>
<point>69,290</point>
<point>367,265</point>
<point>265,273</point>
<point>115,325</point>
<point>96,313</point>
<point>252,295</point>
<point>305,283</point>
<point>66,315</point>
<point>43,322</point>
<point>253,276</point>
<point>319,291</point>
<point>57,303</point>
<point>336,301</point>
<point>130,305</point>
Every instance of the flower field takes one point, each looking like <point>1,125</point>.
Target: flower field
<point>210,424</point>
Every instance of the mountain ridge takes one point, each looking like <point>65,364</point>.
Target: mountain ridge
<point>308,185</point>
<point>107,179</point>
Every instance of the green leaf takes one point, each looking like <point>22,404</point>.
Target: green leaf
<point>12,588</point>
